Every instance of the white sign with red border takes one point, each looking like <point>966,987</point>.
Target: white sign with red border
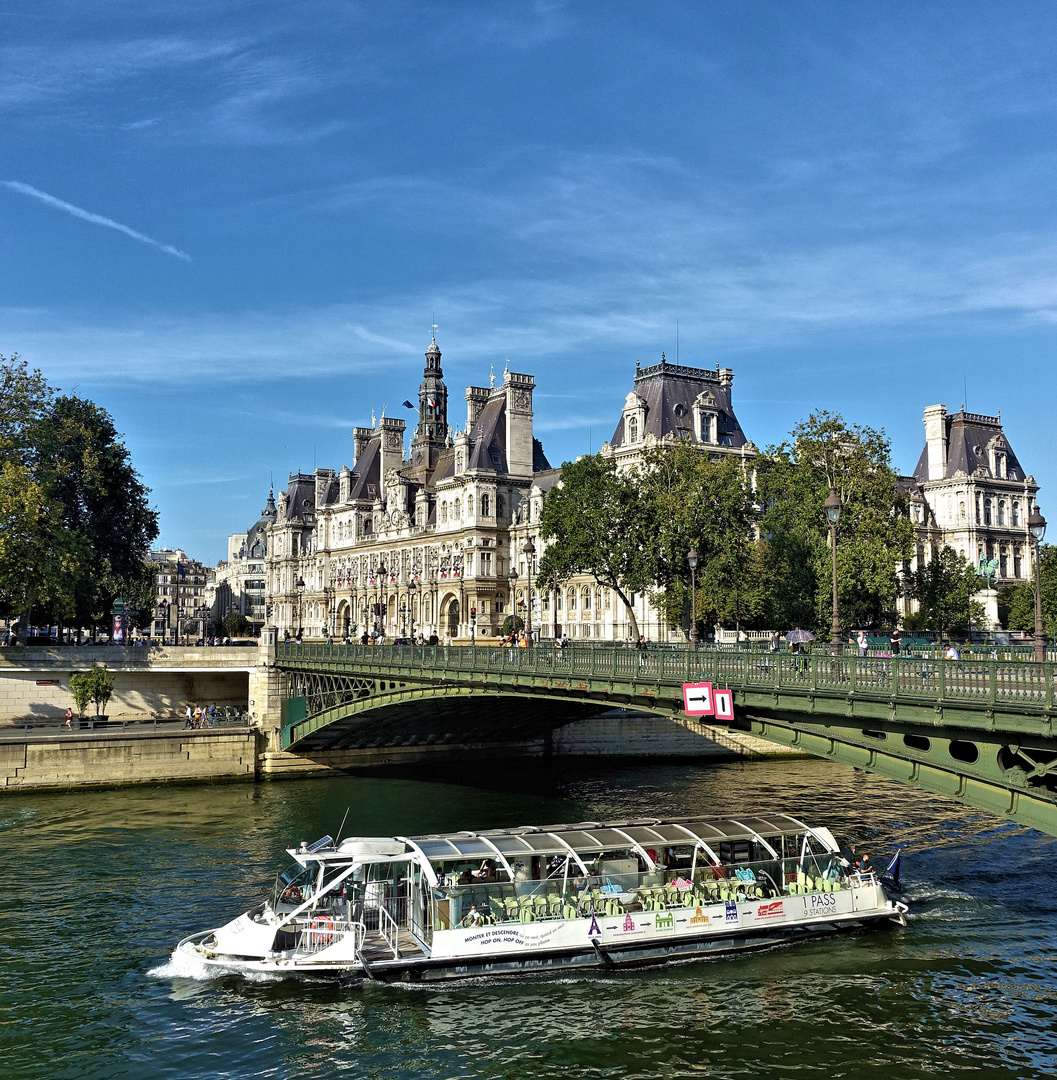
<point>723,700</point>
<point>697,699</point>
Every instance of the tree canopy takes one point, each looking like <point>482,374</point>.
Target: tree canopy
<point>944,588</point>
<point>874,533</point>
<point>1016,603</point>
<point>75,522</point>
<point>594,519</point>
<point>758,526</point>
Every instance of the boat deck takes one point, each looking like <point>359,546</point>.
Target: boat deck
<point>377,950</point>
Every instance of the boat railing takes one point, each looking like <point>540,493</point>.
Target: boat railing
<point>323,931</point>
<point>392,915</point>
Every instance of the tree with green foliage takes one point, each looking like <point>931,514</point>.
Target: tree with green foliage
<point>39,562</point>
<point>236,625</point>
<point>103,682</point>
<point>694,500</point>
<point>75,526</point>
<point>594,522</point>
<point>83,462</point>
<point>874,533</point>
<point>944,588</point>
<point>81,683</point>
<point>1016,603</point>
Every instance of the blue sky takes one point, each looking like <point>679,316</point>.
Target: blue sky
<point>231,224</point>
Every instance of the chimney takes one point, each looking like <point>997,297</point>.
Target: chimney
<point>361,436</point>
<point>936,440</point>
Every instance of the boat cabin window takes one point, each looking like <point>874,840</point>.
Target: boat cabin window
<point>295,884</point>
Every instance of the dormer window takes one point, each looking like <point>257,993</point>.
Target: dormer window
<point>632,428</point>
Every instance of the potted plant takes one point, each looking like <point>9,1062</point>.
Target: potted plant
<point>102,691</point>
<point>81,683</point>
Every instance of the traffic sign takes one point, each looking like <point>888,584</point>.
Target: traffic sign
<point>697,698</point>
<point>724,703</point>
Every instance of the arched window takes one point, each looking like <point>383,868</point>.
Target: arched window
<point>484,506</point>
<point>443,513</point>
<point>572,599</point>
<point>961,511</point>
<point>1002,514</point>
<point>1014,518</point>
<point>987,511</point>
<point>457,512</point>
<point>469,506</point>
<point>633,429</point>
<point>586,604</point>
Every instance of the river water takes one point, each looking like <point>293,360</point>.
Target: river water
<point>101,885</point>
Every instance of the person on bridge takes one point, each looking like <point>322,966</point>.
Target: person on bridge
<point>951,652</point>
<point>860,641</point>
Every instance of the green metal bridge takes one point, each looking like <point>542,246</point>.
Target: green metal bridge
<point>979,730</point>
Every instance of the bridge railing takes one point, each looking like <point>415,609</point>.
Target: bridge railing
<point>976,679</point>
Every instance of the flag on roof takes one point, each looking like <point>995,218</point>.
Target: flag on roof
<point>432,403</point>
<point>408,405</point>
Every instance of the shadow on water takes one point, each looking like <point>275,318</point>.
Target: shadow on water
<point>101,886</point>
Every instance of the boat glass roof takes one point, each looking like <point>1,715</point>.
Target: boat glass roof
<point>589,836</point>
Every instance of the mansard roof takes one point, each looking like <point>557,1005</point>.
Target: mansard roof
<point>669,392</point>
<point>301,497</point>
<point>488,437</point>
<point>968,436</point>
<point>368,471</point>
<point>539,458</point>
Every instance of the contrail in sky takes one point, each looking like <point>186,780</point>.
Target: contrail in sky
<point>96,219</point>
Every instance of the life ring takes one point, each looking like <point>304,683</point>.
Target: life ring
<point>322,928</point>
<point>294,894</point>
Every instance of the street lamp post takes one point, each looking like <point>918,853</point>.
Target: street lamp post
<point>473,623</point>
<point>300,586</point>
<point>513,597</point>
<point>411,605</point>
<point>691,558</point>
<point>529,550</point>
<point>1037,528</point>
<point>832,507</point>
<point>403,618</point>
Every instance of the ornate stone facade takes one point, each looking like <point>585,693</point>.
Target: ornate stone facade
<point>401,545</point>
<point>239,580</point>
<point>970,492</point>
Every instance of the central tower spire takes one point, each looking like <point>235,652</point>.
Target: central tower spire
<point>432,431</point>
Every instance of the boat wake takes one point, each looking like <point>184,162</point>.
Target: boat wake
<point>181,966</point>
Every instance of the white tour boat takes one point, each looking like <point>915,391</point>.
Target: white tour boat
<point>543,897</point>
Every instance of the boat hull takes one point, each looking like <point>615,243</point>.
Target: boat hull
<point>595,954</point>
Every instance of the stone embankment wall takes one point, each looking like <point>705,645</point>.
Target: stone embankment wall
<point>35,695</point>
<point>95,759</point>
<point>35,682</point>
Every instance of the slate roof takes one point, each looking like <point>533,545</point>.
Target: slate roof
<point>301,497</point>
<point>968,435</point>
<point>669,391</point>
<point>368,471</point>
<point>488,437</point>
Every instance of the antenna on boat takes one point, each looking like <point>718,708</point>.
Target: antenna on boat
<point>342,826</point>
